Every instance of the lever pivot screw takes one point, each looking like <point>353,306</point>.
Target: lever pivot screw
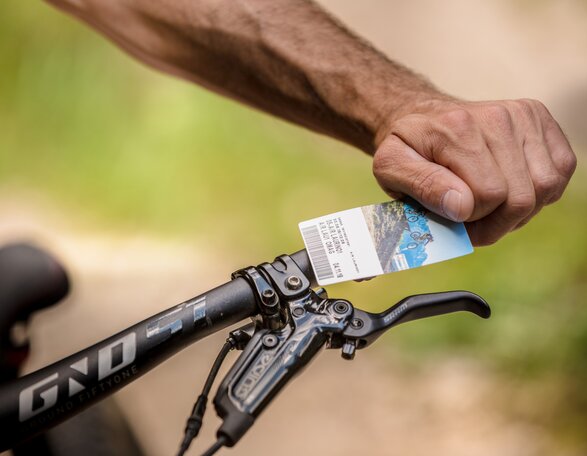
<point>357,323</point>
<point>270,341</point>
<point>293,282</point>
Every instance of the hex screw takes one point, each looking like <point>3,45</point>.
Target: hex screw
<point>357,323</point>
<point>293,282</point>
<point>298,311</point>
<point>341,307</point>
<point>268,295</point>
<point>270,341</point>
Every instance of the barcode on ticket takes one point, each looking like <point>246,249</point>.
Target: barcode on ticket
<point>317,252</point>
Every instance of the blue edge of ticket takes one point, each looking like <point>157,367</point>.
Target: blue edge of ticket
<point>372,240</point>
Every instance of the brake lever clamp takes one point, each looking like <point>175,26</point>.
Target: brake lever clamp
<point>273,357</point>
<point>270,314</point>
<point>275,284</point>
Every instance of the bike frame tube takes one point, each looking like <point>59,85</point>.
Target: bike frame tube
<point>38,401</point>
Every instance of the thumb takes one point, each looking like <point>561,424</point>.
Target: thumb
<point>399,169</point>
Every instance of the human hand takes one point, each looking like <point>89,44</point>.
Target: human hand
<point>491,164</point>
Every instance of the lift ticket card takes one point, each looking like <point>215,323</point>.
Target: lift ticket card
<point>372,240</point>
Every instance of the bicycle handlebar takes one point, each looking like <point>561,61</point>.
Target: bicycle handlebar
<point>45,398</point>
<point>292,323</point>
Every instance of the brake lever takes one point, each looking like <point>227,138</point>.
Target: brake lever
<point>366,327</point>
<point>309,321</point>
<point>273,357</point>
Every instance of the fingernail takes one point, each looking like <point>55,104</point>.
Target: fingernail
<point>451,205</point>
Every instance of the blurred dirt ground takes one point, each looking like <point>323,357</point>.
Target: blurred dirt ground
<point>376,405</point>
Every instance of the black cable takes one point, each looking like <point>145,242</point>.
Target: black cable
<point>217,445</point>
<point>194,422</point>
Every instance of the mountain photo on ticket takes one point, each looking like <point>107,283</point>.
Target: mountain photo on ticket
<point>407,235</point>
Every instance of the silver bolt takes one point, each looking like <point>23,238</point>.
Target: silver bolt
<point>270,341</point>
<point>293,282</point>
<point>268,295</point>
<point>357,323</point>
<point>298,311</point>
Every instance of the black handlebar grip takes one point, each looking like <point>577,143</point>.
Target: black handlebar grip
<point>30,279</point>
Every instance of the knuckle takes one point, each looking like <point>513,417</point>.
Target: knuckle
<point>525,108</point>
<point>547,185</point>
<point>554,196</point>
<point>379,163</point>
<point>521,204</point>
<point>459,120</point>
<point>494,194</point>
<point>527,104</point>
<point>383,162</point>
<point>567,164</point>
<point>499,115</point>
<point>539,107</point>
<point>422,184</point>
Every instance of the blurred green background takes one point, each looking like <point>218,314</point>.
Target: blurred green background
<point>129,150</point>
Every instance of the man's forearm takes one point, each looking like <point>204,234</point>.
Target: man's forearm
<point>286,57</point>
<point>492,164</point>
